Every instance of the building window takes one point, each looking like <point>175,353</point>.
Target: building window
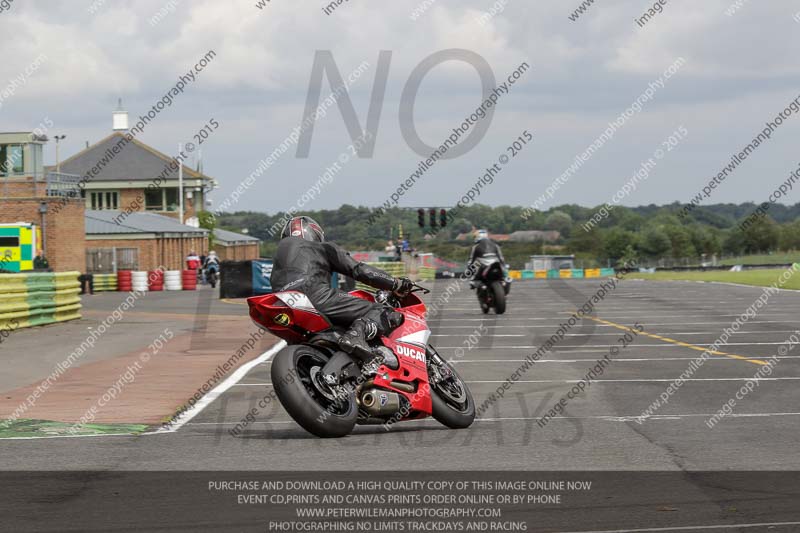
<point>172,199</point>
<point>16,154</point>
<point>11,159</point>
<point>99,200</point>
<point>153,200</point>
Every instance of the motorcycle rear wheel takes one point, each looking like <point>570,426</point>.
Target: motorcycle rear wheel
<point>451,399</point>
<point>499,297</point>
<point>296,377</point>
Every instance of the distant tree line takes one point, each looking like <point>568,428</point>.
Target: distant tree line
<point>648,232</point>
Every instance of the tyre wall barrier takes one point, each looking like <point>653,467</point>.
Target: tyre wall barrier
<point>426,273</point>
<point>173,280</point>
<point>565,273</point>
<point>105,282</point>
<point>396,269</point>
<point>36,299</point>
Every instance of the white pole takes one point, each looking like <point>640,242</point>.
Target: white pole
<point>180,182</point>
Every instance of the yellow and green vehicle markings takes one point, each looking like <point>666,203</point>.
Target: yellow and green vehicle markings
<point>17,247</point>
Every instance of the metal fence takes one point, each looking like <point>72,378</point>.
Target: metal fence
<point>60,184</point>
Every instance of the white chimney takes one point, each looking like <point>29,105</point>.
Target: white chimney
<point>120,118</point>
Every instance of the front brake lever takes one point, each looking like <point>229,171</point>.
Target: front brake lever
<point>422,289</point>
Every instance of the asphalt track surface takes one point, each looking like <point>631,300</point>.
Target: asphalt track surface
<point>598,431</point>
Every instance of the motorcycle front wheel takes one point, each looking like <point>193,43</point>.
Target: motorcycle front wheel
<point>451,399</point>
<point>297,378</point>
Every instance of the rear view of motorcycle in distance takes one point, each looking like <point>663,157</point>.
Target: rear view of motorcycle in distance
<point>491,284</point>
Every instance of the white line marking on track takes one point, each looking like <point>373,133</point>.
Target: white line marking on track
<point>606,418</point>
<point>217,391</point>
<point>656,380</point>
<point>616,359</point>
<point>557,320</point>
<point>659,332</point>
<point>607,346</point>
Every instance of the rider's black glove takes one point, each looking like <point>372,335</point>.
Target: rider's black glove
<point>402,287</point>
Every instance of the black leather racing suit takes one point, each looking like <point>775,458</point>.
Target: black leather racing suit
<point>483,248</point>
<point>306,266</point>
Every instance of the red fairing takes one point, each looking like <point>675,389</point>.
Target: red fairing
<point>408,342</point>
<point>290,316</point>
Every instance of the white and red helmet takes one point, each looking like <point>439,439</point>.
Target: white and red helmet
<point>305,228</point>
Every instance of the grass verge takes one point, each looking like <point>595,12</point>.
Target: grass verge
<point>758,278</point>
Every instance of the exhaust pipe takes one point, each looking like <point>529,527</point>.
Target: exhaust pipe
<point>378,402</point>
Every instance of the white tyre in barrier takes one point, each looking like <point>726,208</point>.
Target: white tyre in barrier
<point>172,280</point>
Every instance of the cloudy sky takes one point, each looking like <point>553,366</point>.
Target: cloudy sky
<point>740,71</point>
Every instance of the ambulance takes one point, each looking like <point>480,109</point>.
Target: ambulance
<point>18,245</point>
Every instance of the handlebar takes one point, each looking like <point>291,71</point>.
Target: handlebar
<point>420,288</point>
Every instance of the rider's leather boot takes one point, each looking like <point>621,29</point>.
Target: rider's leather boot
<point>355,341</point>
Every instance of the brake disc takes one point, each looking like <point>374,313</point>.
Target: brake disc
<point>318,380</point>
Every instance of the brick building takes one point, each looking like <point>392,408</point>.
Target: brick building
<point>143,241</point>
<point>124,174</point>
<point>232,246</point>
<point>114,204</point>
<point>30,195</point>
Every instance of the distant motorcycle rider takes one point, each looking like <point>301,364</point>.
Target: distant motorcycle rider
<point>211,260</point>
<point>210,264</point>
<point>304,262</point>
<point>484,247</point>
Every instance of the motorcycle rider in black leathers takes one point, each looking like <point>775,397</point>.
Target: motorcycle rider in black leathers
<point>484,247</point>
<point>304,262</point>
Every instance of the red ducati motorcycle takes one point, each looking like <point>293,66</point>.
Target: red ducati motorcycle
<point>328,392</point>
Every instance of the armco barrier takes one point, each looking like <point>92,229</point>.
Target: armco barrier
<point>105,282</point>
<point>37,299</point>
